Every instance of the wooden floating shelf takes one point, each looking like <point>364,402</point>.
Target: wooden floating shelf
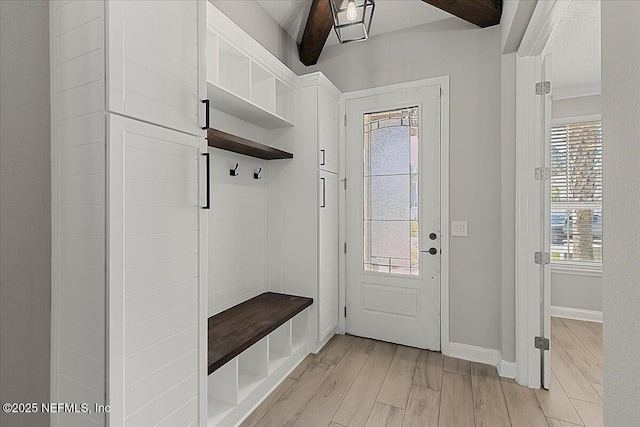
<point>226,141</point>
<point>238,328</point>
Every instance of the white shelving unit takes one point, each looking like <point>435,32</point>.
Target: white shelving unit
<point>240,385</point>
<point>244,79</point>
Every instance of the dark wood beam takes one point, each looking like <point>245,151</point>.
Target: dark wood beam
<point>316,31</point>
<point>483,13</point>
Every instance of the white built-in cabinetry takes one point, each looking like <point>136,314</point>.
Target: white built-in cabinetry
<point>303,218</point>
<point>130,236</point>
<point>128,306</point>
<point>244,79</point>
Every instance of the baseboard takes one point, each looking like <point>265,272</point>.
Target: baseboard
<point>507,369</point>
<point>576,313</point>
<point>488,356</point>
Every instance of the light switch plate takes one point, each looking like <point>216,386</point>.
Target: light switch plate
<point>459,228</point>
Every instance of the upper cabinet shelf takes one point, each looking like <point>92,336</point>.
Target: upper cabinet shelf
<point>244,79</point>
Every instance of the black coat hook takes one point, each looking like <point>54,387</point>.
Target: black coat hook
<point>256,175</point>
<point>234,171</point>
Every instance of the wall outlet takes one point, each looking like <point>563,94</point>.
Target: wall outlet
<point>459,228</point>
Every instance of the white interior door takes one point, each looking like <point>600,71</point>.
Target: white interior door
<point>393,217</point>
<point>545,239</point>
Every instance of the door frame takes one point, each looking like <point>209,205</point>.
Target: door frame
<point>443,81</point>
<point>529,148</point>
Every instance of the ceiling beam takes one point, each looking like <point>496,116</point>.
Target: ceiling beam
<point>316,31</point>
<point>483,13</point>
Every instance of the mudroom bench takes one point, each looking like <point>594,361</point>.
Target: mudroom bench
<point>252,347</point>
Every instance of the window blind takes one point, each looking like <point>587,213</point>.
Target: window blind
<point>576,192</point>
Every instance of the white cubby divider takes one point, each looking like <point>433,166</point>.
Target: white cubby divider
<point>241,384</point>
<point>244,79</point>
<point>299,331</point>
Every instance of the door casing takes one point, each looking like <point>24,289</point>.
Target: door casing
<point>444,194</point>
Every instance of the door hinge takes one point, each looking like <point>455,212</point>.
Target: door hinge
<point>345,120</point>
<point>345,247</point>
<point>541,343</point>
<point>543,173</point>
<point>542,258</point>
<point>543,88</point>
<point>345,311</point>
<point>344,181</point>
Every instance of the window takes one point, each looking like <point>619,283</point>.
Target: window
<point>390,173</point>
<point>576,192</point>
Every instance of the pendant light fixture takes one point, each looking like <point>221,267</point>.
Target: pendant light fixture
<point>352,20</point>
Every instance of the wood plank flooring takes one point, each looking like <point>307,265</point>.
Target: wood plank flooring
<point>357,382</point>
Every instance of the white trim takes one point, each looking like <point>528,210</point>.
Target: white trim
<point>529,149</point>
<point>576,269</point>
<point>507,369</point>
<point>576,91</point>
<point>443,81</point>
<point>576,313</point>
<point>488,356</point>
<point>319,79</point>
<point>544,21</point>
<point>576,119</point>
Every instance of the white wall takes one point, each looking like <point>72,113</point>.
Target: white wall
<point>621,156</point>
<point>256,22</point>
<point>471,57</point>
<point>576,289</point>
<point>25,208</point>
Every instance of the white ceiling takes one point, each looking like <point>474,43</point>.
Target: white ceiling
<point>575,46</point>
<point>389,15</point>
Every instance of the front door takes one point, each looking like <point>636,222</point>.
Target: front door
<point>393,217</point>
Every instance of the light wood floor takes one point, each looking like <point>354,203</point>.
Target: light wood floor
<point>359,382</point>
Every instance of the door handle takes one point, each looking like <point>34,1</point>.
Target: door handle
<point>206,115</point>
<point>323,158</point>
<point>432,251</point>
<point>208,205</point>
<point>324,193</point>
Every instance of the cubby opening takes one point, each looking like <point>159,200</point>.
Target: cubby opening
<point>279,346</point>
<point>300,331</point>
<point>212,57</point>
<point>285,101</point>
<point>222,391</point>
<point>234,70</point>
<point>263,88</point>
<point>253,368</point>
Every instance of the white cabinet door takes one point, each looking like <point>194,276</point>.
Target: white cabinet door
<point>155,278</point>
<point>328,250</point>
<point>155,60</point>
<point>328,158</point>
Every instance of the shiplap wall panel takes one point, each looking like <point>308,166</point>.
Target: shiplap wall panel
<point>79,203</point>
<point>237,231</point>
<point>161,288</point>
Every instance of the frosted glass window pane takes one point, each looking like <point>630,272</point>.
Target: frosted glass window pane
<point>389,197</point>
<point>390,239</point>
<point>390,151</point>
<point>391,193</point>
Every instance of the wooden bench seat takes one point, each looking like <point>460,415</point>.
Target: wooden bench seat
<point>238,328</point>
